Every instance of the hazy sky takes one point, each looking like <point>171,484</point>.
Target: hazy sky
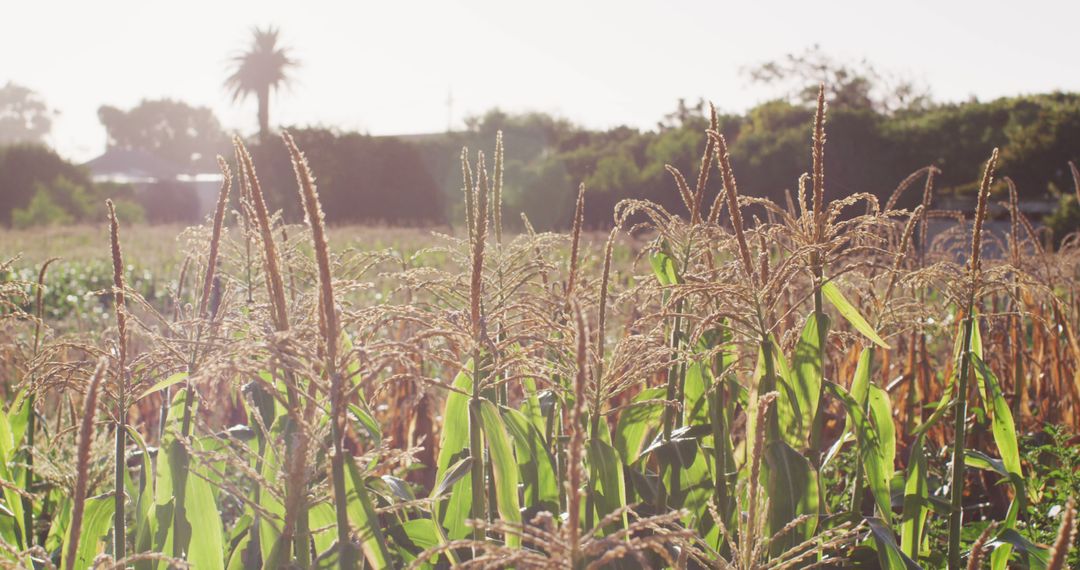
<point>387,67</point>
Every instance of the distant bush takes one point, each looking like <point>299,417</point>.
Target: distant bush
<point>63,202</point>
<point>42,211</point>
<point>870,152</point>
<point>24,168</point>
<point>361,179</point>
<point>168,202</point>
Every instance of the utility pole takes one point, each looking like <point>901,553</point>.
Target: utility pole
<point>449,109</point>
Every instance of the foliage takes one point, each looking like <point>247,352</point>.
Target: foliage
<point>1054,457</point>
<point>64,202</point>
<point>24,116</point>
<point>260,70</point>
<point>186,136</point>
<point>872,150</point>
<point>848,85</point>
<point>362,179</point>
<point>24,169</point>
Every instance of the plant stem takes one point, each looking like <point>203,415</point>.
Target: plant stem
<point>818,426</point>
<point>669,416</point>
<point>675,387</point>
<point>476,450</point>
<point>720,450</point>
<point>341,505</point>
<point>956,488</point>
<point>772,432</point>
<point>27,503</point>
<point>119,522</point>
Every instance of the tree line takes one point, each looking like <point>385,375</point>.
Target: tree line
<point>416,180</point>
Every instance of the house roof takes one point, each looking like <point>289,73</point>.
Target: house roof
<point>128,165</point>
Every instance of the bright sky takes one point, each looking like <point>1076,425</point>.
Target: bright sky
<point>387,67</point>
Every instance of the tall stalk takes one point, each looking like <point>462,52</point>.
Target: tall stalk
<point>956,488</point>
<point>575,453</point>
<point>296,441</point>
<point>82,464</point>
<point>1016,320</point>
<point>675,376</point>
<point>476,441</point>
<point>817,264</point>
<point>598,395</point>
<point>166,393</point>
<point>119,522</point>
<point>204,314</point>
<point>31,420</point>
<point>331,334</point>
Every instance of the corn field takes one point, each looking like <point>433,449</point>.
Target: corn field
<point>738,385</point>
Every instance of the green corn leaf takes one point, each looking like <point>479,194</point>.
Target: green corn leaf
<point>881,415</point>
<point>534,460</point>
<point>453,474</point>
<point>664,268</point>
<point>531,404</point>
<point>365,420</point>
<point>977,352</point>
<point>58,527</point>
<point>7,457</point>
<point>870,453</point>
<point>421,532</point>
<point>363,518</point>
<point>97,520</point>
<point>504,467</point>
<point>979,460</point>
<point>1004,430</point>
<point>695,394</point>
<point>807,368</point>
<point>170,381</point>
<point>789,411</point>
<point>916,494</point>
<point>453,445</point>
<point>1036,557</point>
<point>696,481</point>
<point>860,382</point>
<point>321,516</point>
<point>890,555</point>
<point>636,422</point>
<point>144,508</point>
<point>860,390</point>
<point>1002,424</point>
<point>19,416</point>
<point>606,479</point>
<point>850,313</point>
<point>269,531</point>
<point>207,546</point>
<point>793,491</point>
<point>419,535</point>
<point>236,559</point>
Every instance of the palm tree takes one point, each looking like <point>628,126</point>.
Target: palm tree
<point>260,70</point>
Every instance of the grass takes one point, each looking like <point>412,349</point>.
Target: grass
<point>739,385</point>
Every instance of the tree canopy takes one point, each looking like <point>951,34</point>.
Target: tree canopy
<point>24,116</point>
<point>186,136</point>
<point>260,70</point>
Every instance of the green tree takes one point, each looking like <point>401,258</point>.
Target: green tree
<point>64,201</point>
<point>23,167</point>
<point>857,85</point>
<point>187,136</point>
<point>260,70</point>
<point>24,116</point>
<point>362,179</point>
<point>42,211</point>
